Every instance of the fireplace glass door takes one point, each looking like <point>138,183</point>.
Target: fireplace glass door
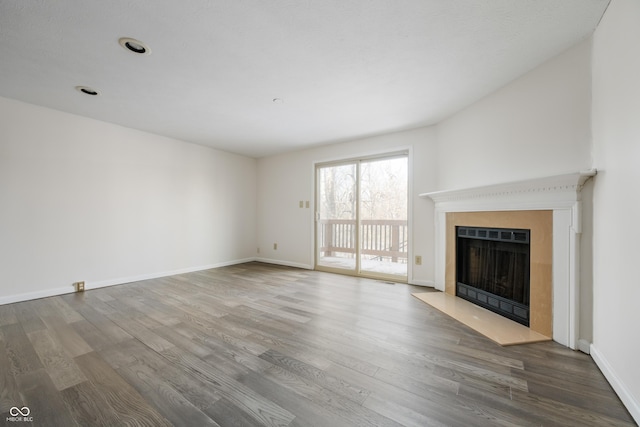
<point>492,270</point>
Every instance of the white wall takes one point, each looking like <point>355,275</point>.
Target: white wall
<point>536,126</point>
<point>285,179</point>
<point>86,200</point>
<point>616,135</point>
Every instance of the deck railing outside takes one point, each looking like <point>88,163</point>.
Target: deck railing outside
<point>382,239</point>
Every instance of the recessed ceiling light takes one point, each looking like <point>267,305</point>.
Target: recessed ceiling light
<point>278,100</point>
<point>135,46</point>
<point>87,90</point>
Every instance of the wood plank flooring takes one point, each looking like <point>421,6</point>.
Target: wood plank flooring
<point>262,345</point>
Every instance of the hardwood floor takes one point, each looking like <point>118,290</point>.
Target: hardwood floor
<point>262,345</point>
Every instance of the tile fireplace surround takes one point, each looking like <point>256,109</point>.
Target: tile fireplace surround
<point>551,208</point>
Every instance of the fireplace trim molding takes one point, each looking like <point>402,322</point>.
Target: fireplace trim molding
<point>562,195</point>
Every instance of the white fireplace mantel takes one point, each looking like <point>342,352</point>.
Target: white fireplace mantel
<point>560,194</point>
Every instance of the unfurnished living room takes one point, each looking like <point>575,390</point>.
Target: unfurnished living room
<point>319,213</point>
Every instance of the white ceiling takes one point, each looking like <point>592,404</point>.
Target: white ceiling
<point>344,68</point>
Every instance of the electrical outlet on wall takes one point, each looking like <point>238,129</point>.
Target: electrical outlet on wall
<point>418,260</point>
<point>275,246</point>
<point>79,286</point>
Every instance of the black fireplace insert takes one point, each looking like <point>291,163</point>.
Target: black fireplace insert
<point>492,269</point>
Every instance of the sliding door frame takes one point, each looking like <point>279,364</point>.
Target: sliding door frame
<point>357,271</point>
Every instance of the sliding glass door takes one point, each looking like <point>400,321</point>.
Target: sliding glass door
<point>361,218</point>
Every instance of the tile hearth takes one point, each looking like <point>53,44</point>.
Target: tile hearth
<point>493,326</point>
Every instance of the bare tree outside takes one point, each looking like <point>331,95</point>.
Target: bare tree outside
<point>383,189</point>
<point>338,191</point>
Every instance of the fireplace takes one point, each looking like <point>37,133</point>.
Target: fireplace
<point>492,269</point>
<point>548,206</point>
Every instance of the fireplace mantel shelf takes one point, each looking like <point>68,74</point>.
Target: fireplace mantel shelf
<point>558,185</point>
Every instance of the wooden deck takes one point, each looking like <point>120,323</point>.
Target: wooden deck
<point>261,345</point>
<point>382,239</point>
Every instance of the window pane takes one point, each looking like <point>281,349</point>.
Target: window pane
<point>383,216</point>
<point>337,202</point>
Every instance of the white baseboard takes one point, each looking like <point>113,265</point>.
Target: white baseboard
<point>425,283</point>
<point>627,398</point>
<point>285,263</point>
<point>10,299</point>
<point>584,346</point>
<point>116,281</point>
<point>130,279</point>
